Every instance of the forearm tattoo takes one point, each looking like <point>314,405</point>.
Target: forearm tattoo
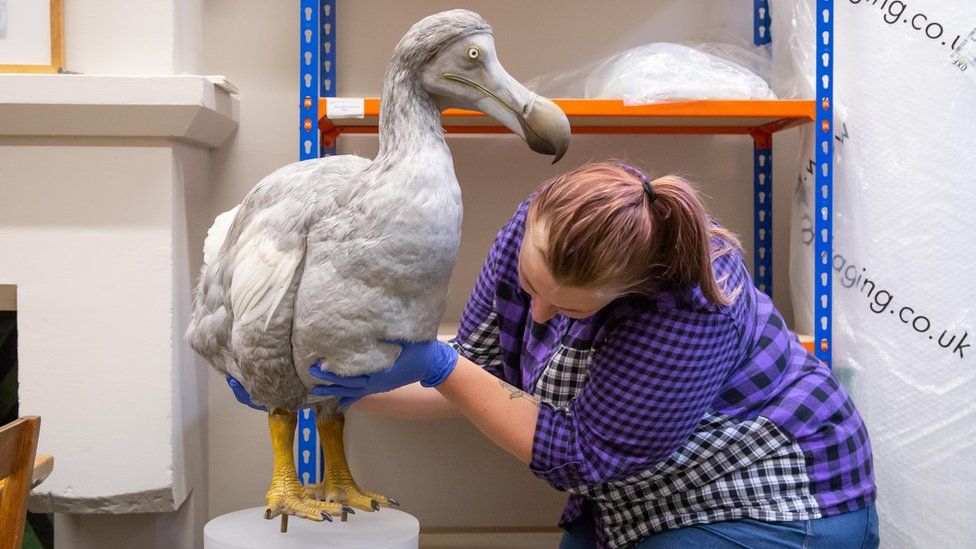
<point>514,393</point>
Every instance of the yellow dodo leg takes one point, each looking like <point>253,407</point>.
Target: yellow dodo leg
<point>286,495</point>
<point>339,486</point>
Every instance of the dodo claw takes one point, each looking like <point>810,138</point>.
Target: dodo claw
<point>326,516</point>
<point>393,502</point>
<point>347,509</point>
<point>374,504</point>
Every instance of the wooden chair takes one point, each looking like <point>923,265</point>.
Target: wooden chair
<point>19,472</point>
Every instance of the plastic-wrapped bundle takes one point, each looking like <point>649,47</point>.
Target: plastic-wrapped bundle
<point>904,247</point>
<point>661,72</point>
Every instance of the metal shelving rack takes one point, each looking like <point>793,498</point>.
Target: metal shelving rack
<point>759,119</point>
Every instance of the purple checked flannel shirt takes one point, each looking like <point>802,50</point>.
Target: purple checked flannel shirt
<point>667,412</point>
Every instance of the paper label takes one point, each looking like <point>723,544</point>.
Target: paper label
<point>964,54</point>
<point>345,107</point>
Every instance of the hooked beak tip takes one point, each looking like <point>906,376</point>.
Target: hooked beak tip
<point>560,153</point>
<point>547,129</point>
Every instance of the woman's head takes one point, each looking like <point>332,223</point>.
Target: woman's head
<point>595,234</point>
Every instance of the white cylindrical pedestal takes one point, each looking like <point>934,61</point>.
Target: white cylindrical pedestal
<point>248,529</point>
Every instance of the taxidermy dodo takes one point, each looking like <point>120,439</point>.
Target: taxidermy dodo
<point>326,257</point>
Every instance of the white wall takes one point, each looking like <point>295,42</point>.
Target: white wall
<point>191,196</point>
<point>118,36</point>
<point>188,36</point>
<point>118,222</point>
<point>132,37</point>
<point>96,233</point>
<point>447,474</point>
<point>83,226</point>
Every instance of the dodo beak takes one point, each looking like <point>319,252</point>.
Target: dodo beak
<point>537,120</point>
<point>546,128</point>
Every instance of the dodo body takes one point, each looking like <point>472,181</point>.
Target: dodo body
<point>325,258</point>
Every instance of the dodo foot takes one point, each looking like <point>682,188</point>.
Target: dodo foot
<point>299,505</point>
<point>350,495</point>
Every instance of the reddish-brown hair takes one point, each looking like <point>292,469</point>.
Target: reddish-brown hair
<point>597,227</point>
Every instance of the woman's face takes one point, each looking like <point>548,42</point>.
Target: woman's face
<point>548,297</point>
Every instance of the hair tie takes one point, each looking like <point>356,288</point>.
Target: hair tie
<point>649,191</point>
<point>648,188</point>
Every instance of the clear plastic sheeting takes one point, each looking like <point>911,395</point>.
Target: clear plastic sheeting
<point>904,295</point>
<point>664,71</point>
<point>794,31</point>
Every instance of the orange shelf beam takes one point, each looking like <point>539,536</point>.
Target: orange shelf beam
<point>807,341</point>
<point>611,116</point>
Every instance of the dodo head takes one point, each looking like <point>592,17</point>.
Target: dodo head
<point>454,54</point>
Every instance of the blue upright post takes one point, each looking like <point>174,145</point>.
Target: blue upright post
<point>823,225</point>
<point>762,224</point>
<point>309,452</point>
<point>309,81</point>
<point>328,78</point>
<point>762,205</point>
<point>760,23</point>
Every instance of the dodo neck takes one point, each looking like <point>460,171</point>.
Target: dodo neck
<point>409,120</point>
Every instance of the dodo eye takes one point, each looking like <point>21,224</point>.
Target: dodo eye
<point>473,53</point>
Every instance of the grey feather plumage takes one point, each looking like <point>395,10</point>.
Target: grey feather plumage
<point>327,256</point>
<point>324,258</point>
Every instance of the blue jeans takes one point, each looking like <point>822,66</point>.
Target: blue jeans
<point>854,530</point>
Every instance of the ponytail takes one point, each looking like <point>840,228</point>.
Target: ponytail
<point>684,240</point>
<point>598,225</point>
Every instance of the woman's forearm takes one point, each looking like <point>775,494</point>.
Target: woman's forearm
<point>503,413</point>
<point>408,402</point>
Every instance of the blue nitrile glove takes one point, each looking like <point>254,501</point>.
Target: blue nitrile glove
<point>429,362</point>
<point>241,393</point>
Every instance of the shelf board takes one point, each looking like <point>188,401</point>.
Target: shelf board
<point>195,109</point>
<point>611,116</point>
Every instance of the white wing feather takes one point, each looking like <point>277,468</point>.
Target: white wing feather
<point>217,234</point>
<point>262,274</point>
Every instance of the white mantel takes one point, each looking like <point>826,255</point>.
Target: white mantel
<point>198,110</point>
<point>104,201</point>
